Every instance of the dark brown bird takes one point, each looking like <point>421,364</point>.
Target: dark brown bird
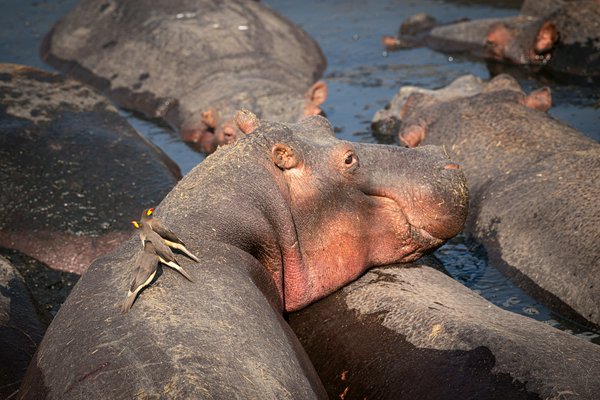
<point>143,273</point>
<point>164,232</point>
<point>164,253</point>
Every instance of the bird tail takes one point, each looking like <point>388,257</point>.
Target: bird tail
<point>183,249</point>
<point>128,302</point>
<point>179,269</point>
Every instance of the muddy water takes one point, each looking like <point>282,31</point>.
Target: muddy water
<point>362,78</point>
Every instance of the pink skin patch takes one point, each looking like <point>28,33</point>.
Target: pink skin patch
<point>412,136</point>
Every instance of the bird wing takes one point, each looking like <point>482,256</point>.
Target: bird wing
<point>160,248</point>
<point>164,232</point>
<point>144,270</point>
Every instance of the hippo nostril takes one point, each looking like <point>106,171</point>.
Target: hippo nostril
<point>451,166</point>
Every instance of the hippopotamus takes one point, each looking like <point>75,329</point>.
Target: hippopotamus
<point>21,329</point>
<point>533,183</point>
<point>72,169</point>
<point>413,332</point>
<point>561,37</point>
<point>192,63</point>
<point>278,219</point>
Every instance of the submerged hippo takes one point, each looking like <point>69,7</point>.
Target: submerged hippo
<point>72,169</point>
<point>560,36</point>
<point>279,219</point>
<point>192,63</point>
<point>412,332</point>
<point>534,182</point>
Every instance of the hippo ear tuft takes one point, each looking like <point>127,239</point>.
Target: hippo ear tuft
<point>283,156</point>
<point>246,121</point>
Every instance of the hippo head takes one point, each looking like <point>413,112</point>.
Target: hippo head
<point>355,206</point>
<point>215,126</point>
<point>521,41</point>
<point>414,109</point>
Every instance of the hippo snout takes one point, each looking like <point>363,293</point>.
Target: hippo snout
<point>437,192</point>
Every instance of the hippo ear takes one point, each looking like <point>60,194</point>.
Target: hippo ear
<point>315,96</point>
<point>210,118</point>
<point>412,136</point>
<point>539,99</point>
<point>546,38</point>
<point>284,157</point>
<point>246,121</point>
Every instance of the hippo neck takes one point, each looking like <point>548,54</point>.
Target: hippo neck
<point>247,208</point>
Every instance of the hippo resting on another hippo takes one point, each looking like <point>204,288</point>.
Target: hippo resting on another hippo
<point>534,182</point>
<point>561,36</point>
<point>279,219</point>
<point>192,63</point>
<point>72,169</point>
<point>415,333</point>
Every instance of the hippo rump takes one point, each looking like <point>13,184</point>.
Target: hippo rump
<point>412,332</point>
<point>534,183</point>
<point>73,171</point>
<point>279,219</point>
<point>561,37</point>
<point>21,329</point>
<point>192,63</point>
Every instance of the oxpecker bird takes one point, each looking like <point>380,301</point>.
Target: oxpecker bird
<point>164,232</point>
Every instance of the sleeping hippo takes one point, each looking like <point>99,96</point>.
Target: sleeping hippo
<point>534,182</point>
<point>561,37</point>
<point>279,219</point>
<point>192,63</point>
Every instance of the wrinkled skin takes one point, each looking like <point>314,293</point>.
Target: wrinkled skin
<point>192,63</point>
<point>72,170</point>
<point>561,37</point>
<point>533,183</point>
<point>412,332</point>
<point>271,218</point>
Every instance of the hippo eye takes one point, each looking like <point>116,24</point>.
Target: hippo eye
<point>351,160</point>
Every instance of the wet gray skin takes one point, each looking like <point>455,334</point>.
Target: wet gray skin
<point>245,213</point>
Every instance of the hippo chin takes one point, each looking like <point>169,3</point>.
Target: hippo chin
<point>279,219</point>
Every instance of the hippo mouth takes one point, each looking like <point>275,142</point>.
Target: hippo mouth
<point>433,215</point>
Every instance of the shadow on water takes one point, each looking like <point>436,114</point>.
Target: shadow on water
<point>362,78</point>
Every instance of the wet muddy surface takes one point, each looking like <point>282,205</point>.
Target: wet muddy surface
<point>362,78</point>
